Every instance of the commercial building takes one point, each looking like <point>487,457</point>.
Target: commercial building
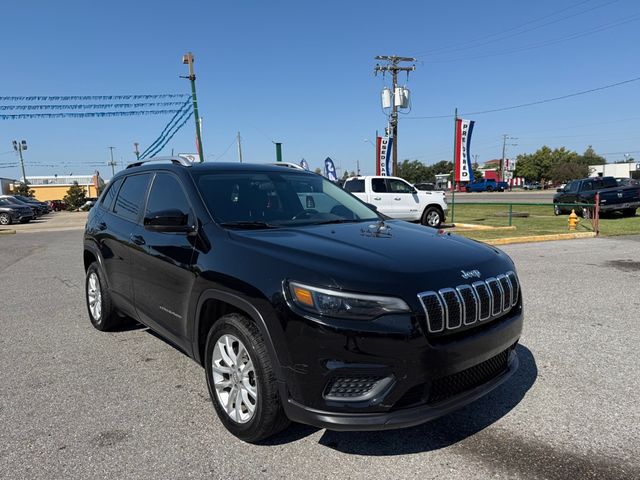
<point>55,187</point>
<point>617,170</point>
<point>6,185</point>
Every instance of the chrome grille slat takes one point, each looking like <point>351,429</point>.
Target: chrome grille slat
<point>451,308</point>
<point>470,303</point>
<point>496,296</point>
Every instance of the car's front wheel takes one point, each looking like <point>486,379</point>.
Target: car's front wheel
<point>5,219</point>
<point>102,314</point>
<point>241,381</point>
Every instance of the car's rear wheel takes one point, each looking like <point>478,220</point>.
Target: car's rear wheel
<point>102,314</point>
<point>489,188</point>
<point>241,381</point>
<point>629,212</point>
<point>432,217</point>
<point>5,219</point>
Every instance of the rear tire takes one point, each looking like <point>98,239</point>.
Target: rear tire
<point>5,219</point>
<point>432,217</point>
<point>102,314</point>
<point>242,364</point>
<point>629,212</point>
<point>489,189</point>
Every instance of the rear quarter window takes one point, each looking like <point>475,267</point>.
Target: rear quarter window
<point>110,194</point>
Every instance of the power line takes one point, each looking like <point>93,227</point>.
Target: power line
<point>226,150</point>
<point>538,102</point>
<point>573,36</point>
<point>474,43</point>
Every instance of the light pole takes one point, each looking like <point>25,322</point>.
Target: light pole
<point>188,59</point>
<point>20,147</point>
<point>136,150</point>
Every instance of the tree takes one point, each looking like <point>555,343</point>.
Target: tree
<point>564,172</point>
<point>345,175</point>
<point>537,166</point>
<point>590,157</point>
<point>75,197</point>
<point>24,190</point>
<point>414,171</point>
<point>353,173</point>
<point>318,170</point>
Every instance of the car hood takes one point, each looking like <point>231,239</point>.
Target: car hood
<point>361,257</point>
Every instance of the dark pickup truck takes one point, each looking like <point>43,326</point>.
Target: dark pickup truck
<point>613,198</point>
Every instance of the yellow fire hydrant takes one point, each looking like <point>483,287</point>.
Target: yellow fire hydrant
<point>573,220</point>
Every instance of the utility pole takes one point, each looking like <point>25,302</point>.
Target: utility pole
<point>20,147</point>
<point>112,163</point>
<point>393,66</point>
<point>188,59</point>
<point>505,137</point>
<point>136,150</point>
<point>358,167</point>
<point>239,147</point>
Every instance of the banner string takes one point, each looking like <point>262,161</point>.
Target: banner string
<point>24,116</point>
<point>88,107</point>
<point>171,136</point>
<point>91,97</point>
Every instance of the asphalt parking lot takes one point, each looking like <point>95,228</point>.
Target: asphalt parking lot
<point>77,403</point>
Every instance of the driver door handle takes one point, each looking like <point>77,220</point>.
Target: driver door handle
<point>377,198</point>
<point>138,239</point>
<point>397,198</point>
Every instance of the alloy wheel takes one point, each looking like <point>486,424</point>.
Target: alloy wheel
<point>94,296</point>
<point>234,378</point>
<point>433,219</point>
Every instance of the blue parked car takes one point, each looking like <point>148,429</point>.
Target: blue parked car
<point>487,186</point>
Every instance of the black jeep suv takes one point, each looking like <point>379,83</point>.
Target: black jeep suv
<point>301,302</point>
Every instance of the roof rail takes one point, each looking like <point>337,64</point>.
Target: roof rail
<point>287,165</point>
<point>176,159</point>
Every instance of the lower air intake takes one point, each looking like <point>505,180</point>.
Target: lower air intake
<point>352,388</point>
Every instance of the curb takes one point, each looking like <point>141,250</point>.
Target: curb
<point>7,232</point>
<point>474,226</point>
<point>541,238</point>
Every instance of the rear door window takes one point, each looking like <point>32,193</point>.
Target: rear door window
<point>131,197</point>
<point>398,186</point>
<point>378,185</point>
<point>110,194</point>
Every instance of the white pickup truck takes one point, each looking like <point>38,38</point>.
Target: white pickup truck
<point>396,198</point>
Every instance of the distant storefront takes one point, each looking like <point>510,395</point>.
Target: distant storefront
<point>618,170</point>
<point>55,187</point>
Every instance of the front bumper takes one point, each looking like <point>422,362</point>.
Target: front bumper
<point>396,347</point>
<point>396,419</point>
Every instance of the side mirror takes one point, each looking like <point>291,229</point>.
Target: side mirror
<point>172,220</point>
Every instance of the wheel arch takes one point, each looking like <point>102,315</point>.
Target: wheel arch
<point>214,304</point>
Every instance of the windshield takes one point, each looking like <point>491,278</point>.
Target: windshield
<point>277,199</point>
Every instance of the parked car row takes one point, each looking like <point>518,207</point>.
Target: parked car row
<point>21,209</point>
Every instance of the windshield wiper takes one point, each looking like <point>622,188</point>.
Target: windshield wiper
<point>248,224</point>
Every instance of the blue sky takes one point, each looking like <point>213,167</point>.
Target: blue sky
<point>302,73</point>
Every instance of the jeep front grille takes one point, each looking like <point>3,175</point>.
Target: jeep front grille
<point>452,308</point>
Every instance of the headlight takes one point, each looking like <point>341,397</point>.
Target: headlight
<point>355,306</point>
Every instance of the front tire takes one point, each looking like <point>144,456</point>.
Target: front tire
<point>432,217</point>
<point>557,210</point>
<point>99,305</point>
<point>5,219</point>
<point>241,381</point>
